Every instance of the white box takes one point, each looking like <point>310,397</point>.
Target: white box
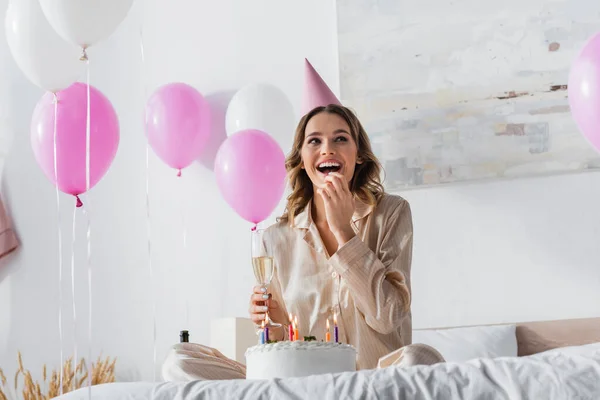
<point>232,336</point>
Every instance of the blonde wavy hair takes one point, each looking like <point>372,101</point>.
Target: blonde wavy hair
<point>366,182</point>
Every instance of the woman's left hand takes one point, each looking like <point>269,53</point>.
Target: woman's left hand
<point>339,206</point>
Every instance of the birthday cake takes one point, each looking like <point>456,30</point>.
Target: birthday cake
<point>289,359</point>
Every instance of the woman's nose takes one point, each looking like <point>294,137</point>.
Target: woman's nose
<point>326,149</point>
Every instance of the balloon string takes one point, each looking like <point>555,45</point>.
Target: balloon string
<point>148,225</point>
<point>150,265</point>
<point>60,255</point>
<point>87,188</point>
<point>184,259</point>
<point>86,211</point>
<point>87,131</point>
<point>73,293</point>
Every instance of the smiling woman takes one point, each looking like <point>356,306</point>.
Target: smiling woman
<point>331,139</point>
<point>343,247</point>
<point>329,146</point>
<point>342,252</point>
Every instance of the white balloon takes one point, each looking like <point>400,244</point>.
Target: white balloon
<point>263,107</point>
<point>45,58</point>
<point>85,22</point>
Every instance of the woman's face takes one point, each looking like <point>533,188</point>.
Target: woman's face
<point>328,147</point>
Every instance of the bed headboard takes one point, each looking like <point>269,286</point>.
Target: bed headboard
<point>536,337</point>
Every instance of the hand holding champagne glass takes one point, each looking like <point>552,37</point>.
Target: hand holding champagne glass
<point>263,265</point>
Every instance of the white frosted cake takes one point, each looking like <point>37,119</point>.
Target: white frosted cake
<point>295,359</point>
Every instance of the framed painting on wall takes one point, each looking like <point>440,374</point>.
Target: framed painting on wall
<point>465,90</point>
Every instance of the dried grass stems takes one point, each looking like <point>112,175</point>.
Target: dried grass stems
<point>103,371</point>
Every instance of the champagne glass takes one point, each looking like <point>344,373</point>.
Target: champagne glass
<point>263,265</point>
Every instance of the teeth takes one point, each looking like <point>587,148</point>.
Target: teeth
<point>329,164</point>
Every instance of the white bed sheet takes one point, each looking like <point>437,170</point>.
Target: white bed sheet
<point>570,373</point>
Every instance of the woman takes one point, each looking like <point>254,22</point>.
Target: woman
<point>343,247</point>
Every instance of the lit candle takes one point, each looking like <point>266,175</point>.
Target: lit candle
<point>261,334</point>
<point>335,329</point>
<point>291,329</point>
<point>296,337</point>
<point>266,328</point>
<point>327,333</point>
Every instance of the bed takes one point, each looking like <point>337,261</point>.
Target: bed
<point>538,360</point>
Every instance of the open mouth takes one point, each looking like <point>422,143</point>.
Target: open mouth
<point>329,167</point>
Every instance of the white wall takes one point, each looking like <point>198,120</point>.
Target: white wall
<point>527,242</point>
<point>518,250</point>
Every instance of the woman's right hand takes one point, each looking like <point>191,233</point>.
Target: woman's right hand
<point>260,303</point>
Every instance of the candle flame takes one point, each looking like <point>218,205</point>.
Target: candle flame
<point>291,319</point>
<point>327,324</point>
<point>296,320</point>
<point>262,325</point>
<point>334,318</point>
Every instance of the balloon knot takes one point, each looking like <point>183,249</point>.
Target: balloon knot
<point>84,56</point>
<point>179,173</point>
<point>254,228</point>
<point>79,202</point>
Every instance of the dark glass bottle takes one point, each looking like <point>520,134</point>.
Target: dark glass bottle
<point>184,337</point>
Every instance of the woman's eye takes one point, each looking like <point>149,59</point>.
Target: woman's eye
<point>313,141</point>
<point>341,139</point>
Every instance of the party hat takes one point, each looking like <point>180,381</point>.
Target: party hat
<point>316,92</point>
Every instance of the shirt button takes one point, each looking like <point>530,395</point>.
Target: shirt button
<point>334,274</point>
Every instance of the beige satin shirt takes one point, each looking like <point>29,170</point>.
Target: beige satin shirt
<point>362,282</point>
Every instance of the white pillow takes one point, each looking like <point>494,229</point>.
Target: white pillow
<point>462,344</point>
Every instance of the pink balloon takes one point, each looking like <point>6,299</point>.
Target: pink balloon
<point>178,124</point>
<point>250,172</point>
<point>584,91</point>
<point>71,120</point>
